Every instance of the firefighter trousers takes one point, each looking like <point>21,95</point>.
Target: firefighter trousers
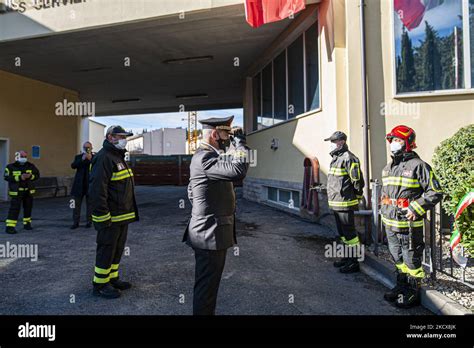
<point>346,227</point>
<point>407,253</point>
<point>110,246</point>
<point>25,199</point>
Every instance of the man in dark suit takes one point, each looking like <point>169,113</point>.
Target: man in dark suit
<point>80,186</point>
<point>211,229</point>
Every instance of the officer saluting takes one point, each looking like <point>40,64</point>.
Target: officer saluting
<point>112,196</point>
<point>211,229</point>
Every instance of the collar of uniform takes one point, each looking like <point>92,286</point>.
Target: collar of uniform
<point>212,147</point>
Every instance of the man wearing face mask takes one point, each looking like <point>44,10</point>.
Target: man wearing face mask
<point>211,229</point>
<point>112,196</point>
<point>410,188</point>
<point>344,189</point>
<point>80,186</point>
<point>21,176</point>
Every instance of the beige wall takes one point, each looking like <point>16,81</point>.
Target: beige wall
<point>341,103</point>
<point>303,137</point>
<point>27,117</point>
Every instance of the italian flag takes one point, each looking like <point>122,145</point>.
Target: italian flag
<point>411,12</point>
<point>455,239</point>
<point>259,12</point>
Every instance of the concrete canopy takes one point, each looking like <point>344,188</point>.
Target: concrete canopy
<point>92,61</point>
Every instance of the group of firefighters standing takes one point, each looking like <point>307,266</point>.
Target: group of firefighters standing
<point>409,189</point>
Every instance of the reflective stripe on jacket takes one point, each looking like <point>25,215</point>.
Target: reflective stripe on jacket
<point>13,173</point>
<point>111,188</point>
<point>411,178</point>
<point>345,180</point>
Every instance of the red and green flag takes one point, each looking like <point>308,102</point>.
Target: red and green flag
<point>455,239</point>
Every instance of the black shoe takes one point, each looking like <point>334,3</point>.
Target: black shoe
<point>74,226</point>
<point>89,225</point>
<point>28,226</point>
<point>393,294</point>
<point>106,291</point>
<point>351,266</point>
<point>118,284</point>
<point>341,262</point>
<point>410,295</point>
<point>11,230</point>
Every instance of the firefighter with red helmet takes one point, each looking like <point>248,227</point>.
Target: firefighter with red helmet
<point>409,190</point>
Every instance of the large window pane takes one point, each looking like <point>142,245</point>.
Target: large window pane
<point>428,45</point>
<point>257,101</point>
<point>267,117</point>
<point>295,78</point>
<point>279,78</point>
<point>312,68</point>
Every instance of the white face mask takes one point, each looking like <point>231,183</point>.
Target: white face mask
<point>333,146</point>
<point>395,146</point>
<point>122,143</point>
<point>23,160</point>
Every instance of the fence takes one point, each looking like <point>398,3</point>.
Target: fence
<point>437,257</point>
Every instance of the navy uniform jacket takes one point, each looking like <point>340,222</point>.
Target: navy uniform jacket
<point>211,192</point>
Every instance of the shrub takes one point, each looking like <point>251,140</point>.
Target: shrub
<point>453,162</point>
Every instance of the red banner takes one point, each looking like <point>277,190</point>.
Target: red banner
<point>259,12</point>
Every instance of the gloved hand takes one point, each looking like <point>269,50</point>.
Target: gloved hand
<point>238,137</point>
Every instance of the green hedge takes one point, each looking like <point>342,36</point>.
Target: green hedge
<point>454,166</point>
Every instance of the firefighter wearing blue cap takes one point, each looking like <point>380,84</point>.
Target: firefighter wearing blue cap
<point>112,196</point>
<point>211,228</point>
<point>344,188</point>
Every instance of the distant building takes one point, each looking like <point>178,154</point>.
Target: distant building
<point>164,141</point>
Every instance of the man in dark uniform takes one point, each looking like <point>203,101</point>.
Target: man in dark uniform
<point>21,176</point>
<point>344,188</point>
<point>211,229</point>
<point>112,196</point>
<point>80,186</point>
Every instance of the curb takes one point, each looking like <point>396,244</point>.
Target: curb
<point>431,299</point>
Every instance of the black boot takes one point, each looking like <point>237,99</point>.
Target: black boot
<point>28,226</point>
<point>410,296</point>
<point>106,291</point>
<point>74,226</point>
<point>392,295</point>
<point>118,284</point>
<point>341,262</point>
<point>11,230</point>
<point>351,266</point>
<point>89,225</point>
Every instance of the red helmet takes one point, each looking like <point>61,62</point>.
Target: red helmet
<point>405,133</point>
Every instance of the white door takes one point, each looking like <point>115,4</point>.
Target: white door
<point>3,164</point>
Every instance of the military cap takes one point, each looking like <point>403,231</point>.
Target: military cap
<point>222,123</point>
<point>337,135</point>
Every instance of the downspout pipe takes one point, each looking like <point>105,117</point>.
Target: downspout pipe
<point>365,115</point>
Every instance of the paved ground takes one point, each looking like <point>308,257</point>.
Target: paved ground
<point>280,258</point>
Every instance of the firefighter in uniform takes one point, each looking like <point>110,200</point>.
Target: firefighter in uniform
<point>410,188</point>
<point>344,189</point>
<point>21,176</point>
<point>111,192</point>
<point>211,229</point>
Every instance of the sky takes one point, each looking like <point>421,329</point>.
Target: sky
<point>137,123</point>
<point>443,18</point>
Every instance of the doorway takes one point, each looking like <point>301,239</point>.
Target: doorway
<point>4,150</point>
